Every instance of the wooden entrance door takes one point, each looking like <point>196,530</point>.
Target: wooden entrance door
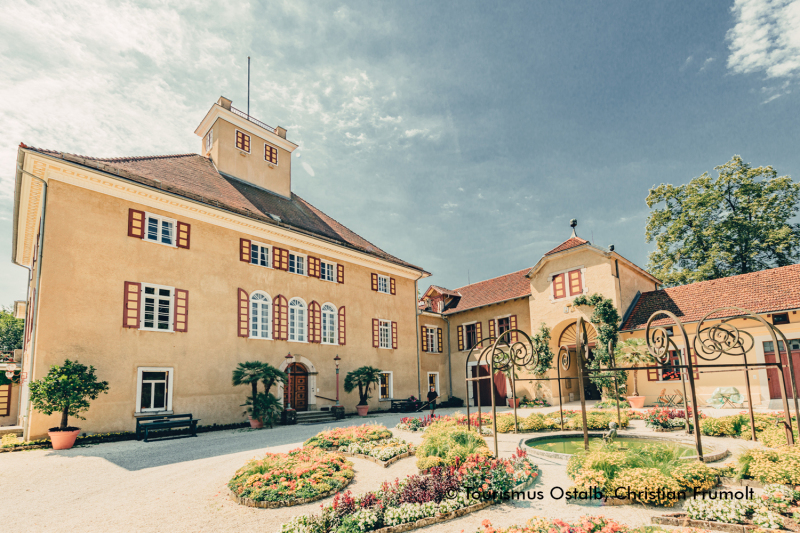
<point>297,387</point>
<point>772,374</point>
<point>484,386</point>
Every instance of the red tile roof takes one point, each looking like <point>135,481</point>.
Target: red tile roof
<point>572,242</point>
<point>508,287</point>
<point>443,291</point>
<point>777,289</point>
<point>195,177</point>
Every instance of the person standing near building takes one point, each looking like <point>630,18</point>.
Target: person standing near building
<point>432,395</point>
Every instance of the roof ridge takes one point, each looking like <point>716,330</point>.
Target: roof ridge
<point>490,279</point>
<point>111,159</point>
<point>726,278</point>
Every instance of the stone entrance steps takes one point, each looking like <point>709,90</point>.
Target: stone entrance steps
<point>315,417</point>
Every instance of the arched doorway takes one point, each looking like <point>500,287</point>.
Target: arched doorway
<point>569,338</point>
<point>297,387</point>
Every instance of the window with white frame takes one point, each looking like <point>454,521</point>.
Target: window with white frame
<point>157,309</point>
<point>385,334</point>
<point>383,284</point>
<point>329,324</point>
<point>297,320</point>
<point>153,389</point>
<point>209,140</point>
<point>260,316</point>
<point>259,254</point>
<point>327,271</point>
<point>385,386</point>
<point>433,381</point>
<point>159,229</point>
<point>297,264</point>
<point>431,334</point>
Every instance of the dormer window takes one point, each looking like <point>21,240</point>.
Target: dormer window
<point>567,283</point>
<point>270,154</point>
<point>242,141</point>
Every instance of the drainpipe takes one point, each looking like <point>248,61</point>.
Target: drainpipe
<point>449,360</point>
<point>28,361</point>
<point>416,321</point>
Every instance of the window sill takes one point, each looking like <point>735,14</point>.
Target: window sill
<point>260,338</point>
<point>159,242</point>
<point>157,330</point>
<point>301,342</point>
<point>152,413</point>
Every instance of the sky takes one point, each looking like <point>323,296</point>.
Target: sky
<point>459,136</point>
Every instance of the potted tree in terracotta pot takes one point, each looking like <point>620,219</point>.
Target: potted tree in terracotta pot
<point>362,378</point>
<point>66,389</point>
<point>258,405</point>
<point>634,352</point>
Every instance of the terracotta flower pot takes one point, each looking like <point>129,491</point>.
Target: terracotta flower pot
<point>63,440</point>
<point>255,423</point>
<point>637,402</point>
<point>362,410</point>
<point>511,401</point>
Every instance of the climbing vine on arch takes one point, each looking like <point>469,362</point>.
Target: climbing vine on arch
<point>606,321</point>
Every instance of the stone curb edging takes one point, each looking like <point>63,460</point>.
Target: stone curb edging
<point>384,464</point>
<point>682,520</point>
<point>247,502</point>
<point>741,482</point>
<point>24,448</point>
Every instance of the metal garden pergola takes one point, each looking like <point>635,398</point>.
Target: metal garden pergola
<point>714,337</point>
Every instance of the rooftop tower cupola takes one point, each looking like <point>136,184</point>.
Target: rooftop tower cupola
<point>246,148</point>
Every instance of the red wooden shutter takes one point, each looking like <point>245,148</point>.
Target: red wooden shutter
<point>341,326</point>
<point>132,305</point>
<point>439,339</point>
<point>478,333</point>
<point>135,224</point>
<point>314,323</point>
<point>424,332</point>
<point>181,320</point>
<point>512,324</point>
<point>575,285</point>
<point>492,330</point>
<point>394,335</point>
<point>314,267</point>
<point>244,313</point>
<point>280,317</point>
<point>460,333</point>
<point>244,250</point>
<point>376,333</point>
<point>559,290</point>
<point>280,258</point>
<point>184,234</point>
<point>340,273</point>
<point>392,288</point>
<point>652,373</point>
<point>374,281</point>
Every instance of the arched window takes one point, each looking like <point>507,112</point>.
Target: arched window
<point>329,325</point>
<point>297,320</point>
<point>260,316</point>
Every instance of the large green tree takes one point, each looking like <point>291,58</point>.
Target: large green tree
<point>11,331</point>
<point>739,222</point>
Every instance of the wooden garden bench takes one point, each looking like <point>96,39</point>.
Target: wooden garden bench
<point>147,423</point>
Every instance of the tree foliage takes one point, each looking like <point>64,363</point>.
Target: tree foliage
<point>634,352</point>
<point>362,378</point>
<point>260,405</point>
<point>11,331</point>
<point>710,228</point>
<point>67,389</point>
<point>606,321</point>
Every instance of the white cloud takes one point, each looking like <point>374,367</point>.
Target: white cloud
<point>449,205</point>
<point>686,63</point>
<point>308,169</point>
<point>706,63</point>
<point>416,132</point>
<point>766,38</point>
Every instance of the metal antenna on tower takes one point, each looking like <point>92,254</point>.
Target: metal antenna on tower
<point>248,86</point>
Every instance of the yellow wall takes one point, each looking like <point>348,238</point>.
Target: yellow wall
<point>87,258</point>
<point>250,167</point>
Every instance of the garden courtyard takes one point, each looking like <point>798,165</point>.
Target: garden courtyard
<point>181,484</point>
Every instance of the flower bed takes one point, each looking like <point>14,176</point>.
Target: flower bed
<point>338,437</point>
<point>595,419</point>
<point>654,474</point>
<point>771,466</point>
<point>383,452</point>
<point>300,476</point>
<point>586,524</point>
<point>534,403</point>
<point>771,510</point>
<point>420,500</point>
<point>611,403</point>
<point>664,418</point>
<point>447,444</point>
<point>768,431</point>
<point>411,423</point>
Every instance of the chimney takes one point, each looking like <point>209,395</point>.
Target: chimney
<point>280,132</point>
<point>224,102</point>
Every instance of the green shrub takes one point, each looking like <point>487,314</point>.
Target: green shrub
<point>649,484</point>
<point>772,466</point>
<point>450,444</point>
<point>533,422</point>
<point>695,475</point>
<point>505,424</point>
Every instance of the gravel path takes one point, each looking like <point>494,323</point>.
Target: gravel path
<point>180,485</point>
